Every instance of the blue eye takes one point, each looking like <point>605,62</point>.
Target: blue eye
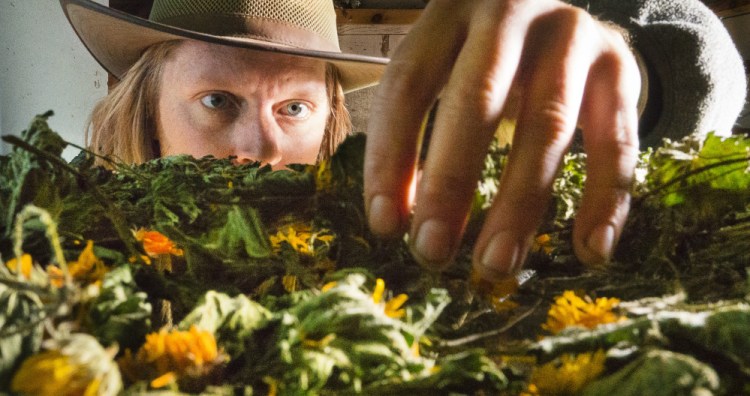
<point>215,101</point>
<point>297,109</point>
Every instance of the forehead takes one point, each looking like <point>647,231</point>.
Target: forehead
<point>194,60</point>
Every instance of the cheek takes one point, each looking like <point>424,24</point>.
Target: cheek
<point>303,145</point>
<point>182,132</point>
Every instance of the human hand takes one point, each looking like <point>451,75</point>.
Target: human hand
<point>571,71</point>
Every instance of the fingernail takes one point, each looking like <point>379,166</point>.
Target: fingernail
<point>384,218</point>
<point>601,241</point>
<point>433,242</point>
<point>501,257</point>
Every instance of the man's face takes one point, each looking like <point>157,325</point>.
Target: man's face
<point>257,106</point>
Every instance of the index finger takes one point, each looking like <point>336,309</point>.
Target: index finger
<point>417,72</point>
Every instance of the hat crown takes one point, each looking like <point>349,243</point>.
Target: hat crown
<point>314,16</point>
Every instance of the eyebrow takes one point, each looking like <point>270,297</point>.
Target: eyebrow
<point>286,80</point>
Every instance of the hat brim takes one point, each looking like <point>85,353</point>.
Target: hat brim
<point>117,40</point>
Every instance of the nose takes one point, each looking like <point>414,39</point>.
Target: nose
<point>256,138</point>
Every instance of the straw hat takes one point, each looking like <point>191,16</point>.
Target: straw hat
<point>304,28</point>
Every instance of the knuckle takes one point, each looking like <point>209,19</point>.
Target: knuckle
<point>478,97</point>
<point>445,189</point>
<point>574,19</point>
<point>530,199</point>
<point>401,83</point>
<point>617,175</point>
<point>526,204</point>
<point>566,24</point>
<point>552,124</point>
<point>399,77</point>
<point>383,173</point>
<point>622,69</point>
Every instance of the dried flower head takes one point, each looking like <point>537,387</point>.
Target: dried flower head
<point>76,365</point>
<point>168,356</point>
<point>301,238</point>
<point>88,269</point>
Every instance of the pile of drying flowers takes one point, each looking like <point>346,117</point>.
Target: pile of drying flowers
<point>195,276</point>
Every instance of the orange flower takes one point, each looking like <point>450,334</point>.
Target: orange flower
<point>155,243</point>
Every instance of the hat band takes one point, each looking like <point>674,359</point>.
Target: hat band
<point>243,26</point>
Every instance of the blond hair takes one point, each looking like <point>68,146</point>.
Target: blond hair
<point>122,126</point>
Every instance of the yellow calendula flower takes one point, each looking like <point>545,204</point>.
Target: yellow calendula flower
<point>572,310</point>
<point>25,267</point>
<point>566,375</point>
<point>301,238</point>
<point>87,269</point>
<point>168,355</point>
<point>318,344</point>
<point>328,286</point>
<point>52,373</point>
<point>56,277</point>
<point>392,307</point>
<point>75,366</point>
<point>496,293</point>
<point>543,243</point>
<point>163,380</point>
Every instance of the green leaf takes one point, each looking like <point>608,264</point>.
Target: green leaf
<point>700,166</point>
<point>20,330</point>
<point>244,231</point>
<point>726,333</point>
<point>658,372</point>
<point>28,178</point>
<point>121,313</point>
<point>231,319</point>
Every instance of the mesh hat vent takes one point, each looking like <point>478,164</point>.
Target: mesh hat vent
<point>315,16</point>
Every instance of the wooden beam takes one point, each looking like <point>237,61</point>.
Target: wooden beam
<point>362,16</point>
<point>360,21</point>
<point>729,8</point>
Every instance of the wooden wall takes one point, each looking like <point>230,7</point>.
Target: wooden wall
<point>374,32</point>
